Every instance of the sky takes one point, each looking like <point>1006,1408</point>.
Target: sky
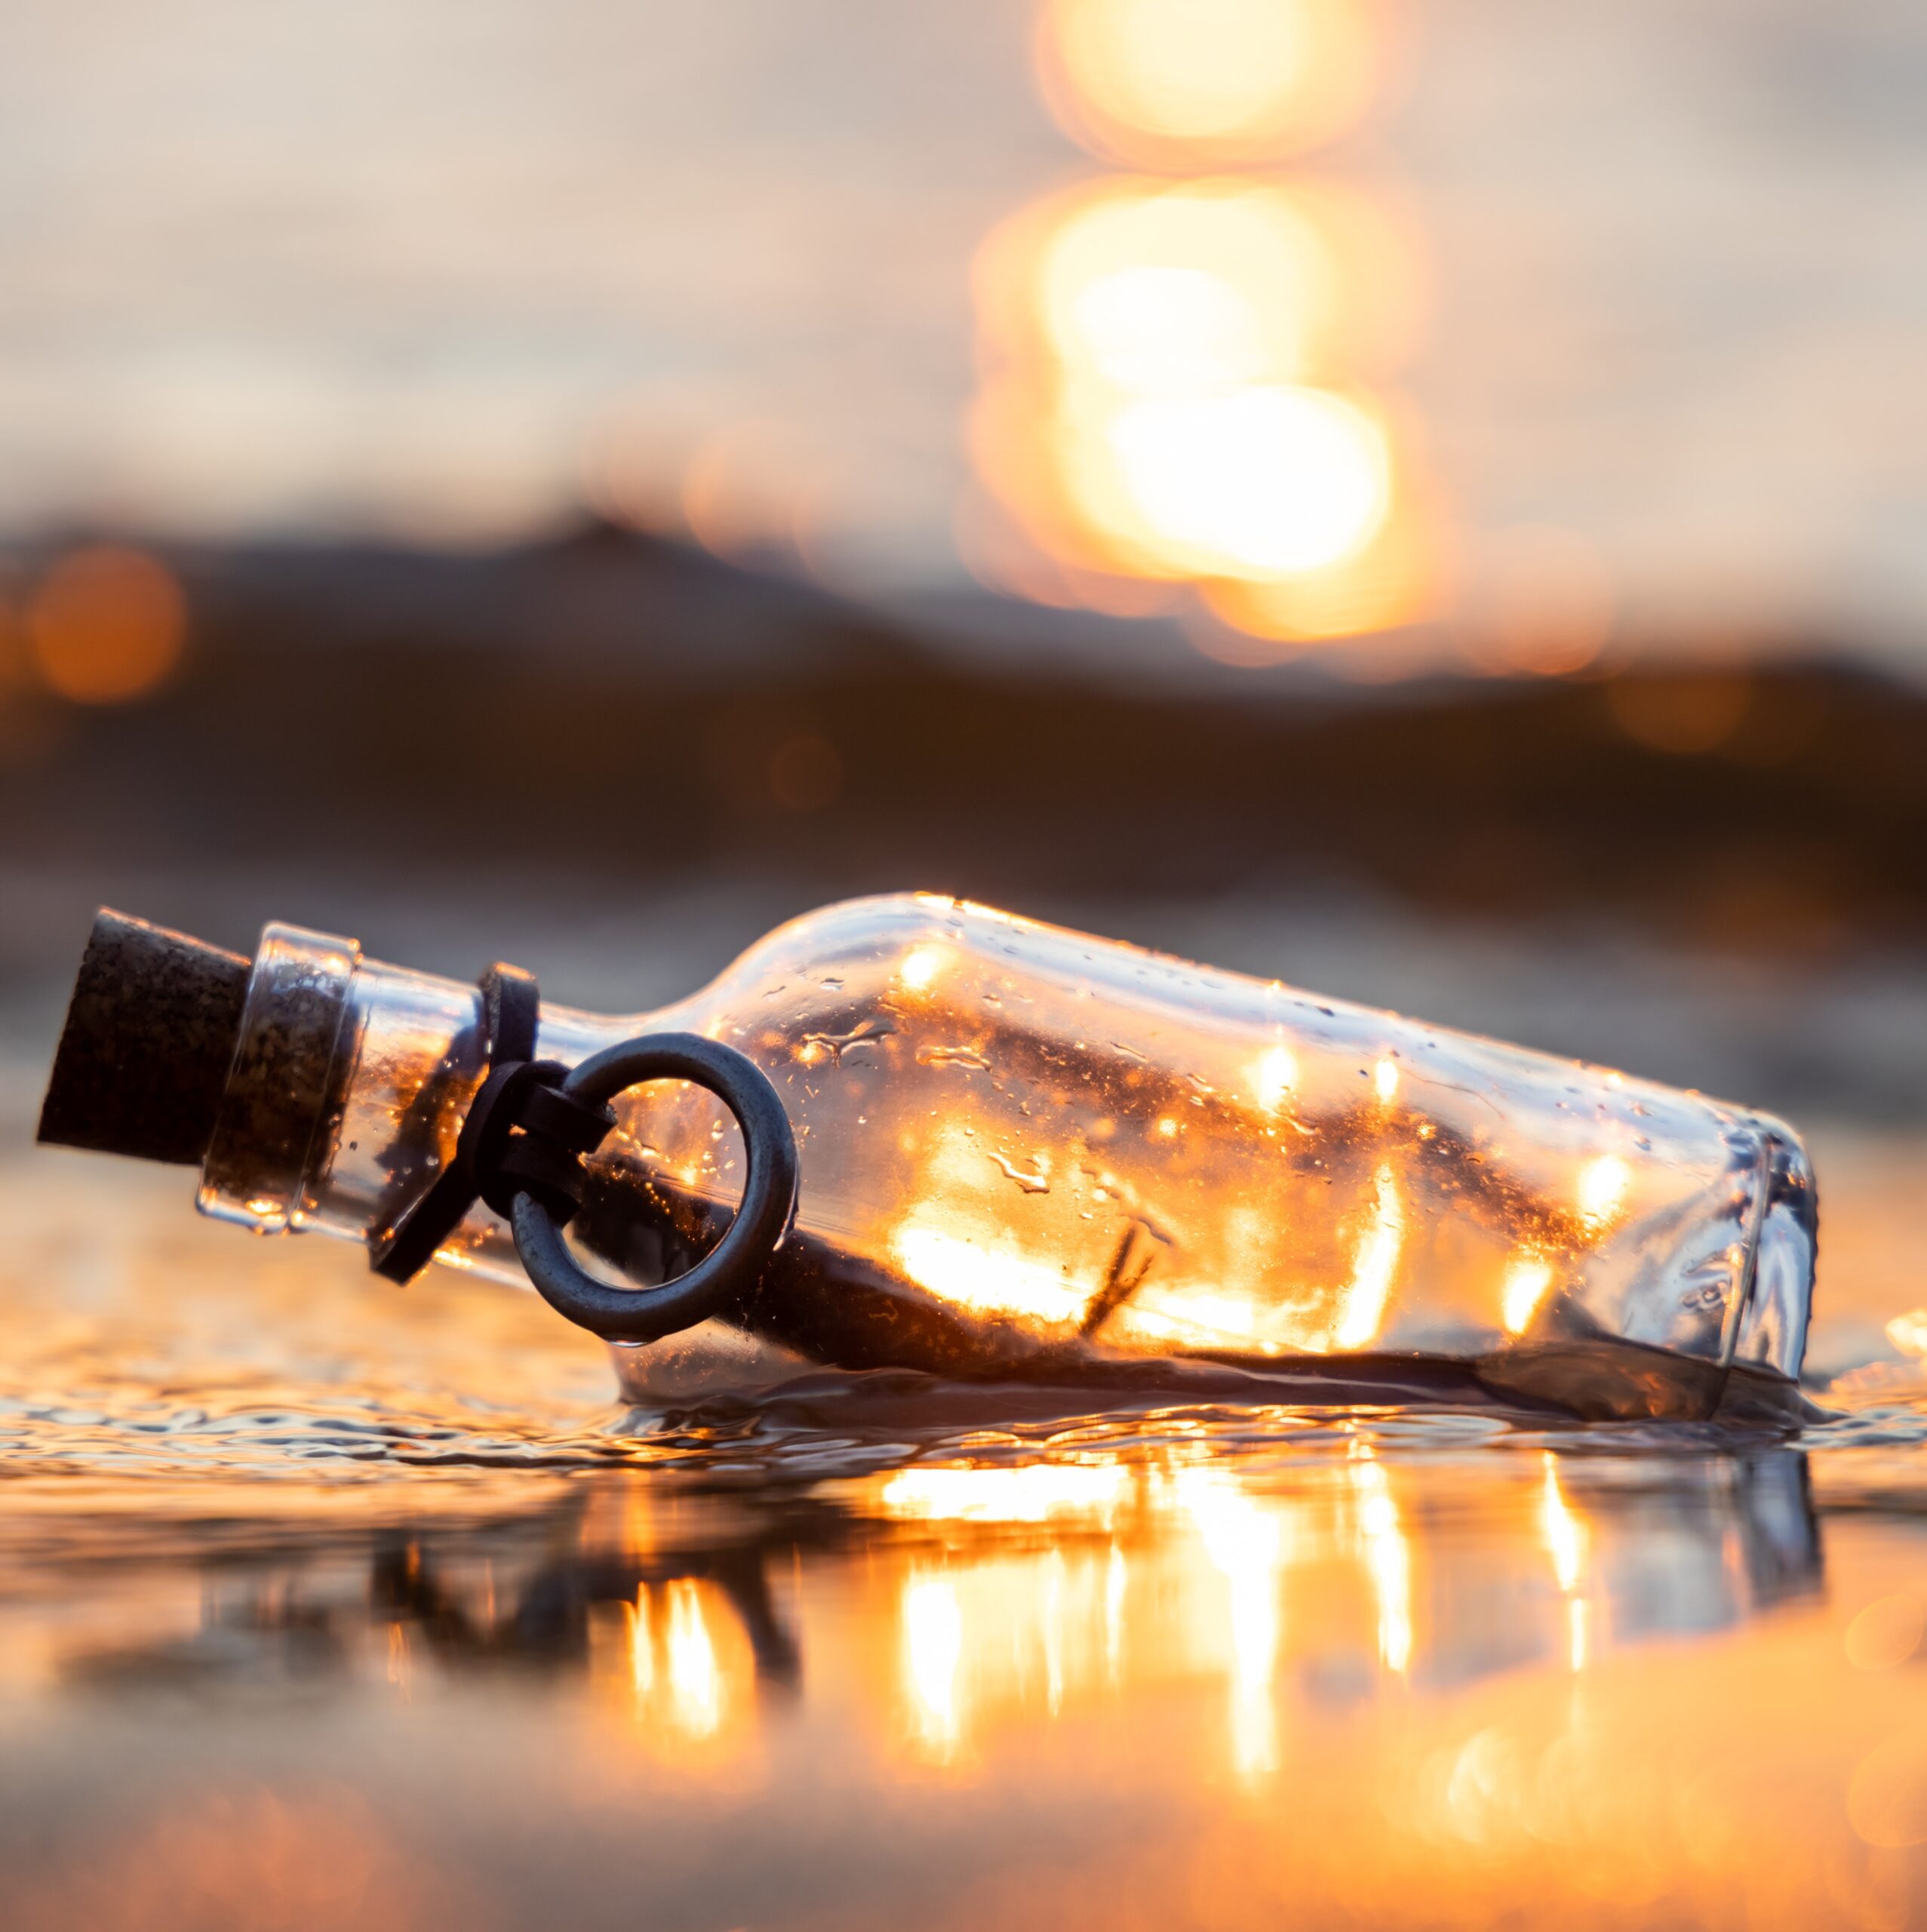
<point>1635,342</point>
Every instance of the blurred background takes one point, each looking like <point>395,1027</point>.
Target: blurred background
<point>1422,498</point>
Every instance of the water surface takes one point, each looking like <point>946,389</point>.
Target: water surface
<point>324,1603</point>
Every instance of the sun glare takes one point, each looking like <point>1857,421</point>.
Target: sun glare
<point>1167,403</point>
<point>1274,1076</point>
<point>1361,1311</point>
<point>1263,482</point>
<point>1603,1185</point>
<point>1527,1280</point>
<point>1034,1493</point>
<point>992,1278</point>
<point>1172,83</point>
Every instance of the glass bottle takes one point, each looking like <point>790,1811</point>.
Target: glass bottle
<point>1028,1153</point>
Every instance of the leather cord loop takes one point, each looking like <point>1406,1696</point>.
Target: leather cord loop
<point>735,1263</point>
<point>521,1151</point>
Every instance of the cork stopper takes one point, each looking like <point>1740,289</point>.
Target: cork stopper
<point>149,1037</point>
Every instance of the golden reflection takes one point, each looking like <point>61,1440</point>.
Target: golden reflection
<point>993,1278</point>
<point>1561,1532</point>
<point>1116,1581</point>
<point>401,1673</point>
<point>1908,1332</point>
<point>1172,82</point>
<point>696,1682</point>
<point>1032,1493</point>
<point>1319,1319</point>
<point>997,1636</point>
<point>1603,1186</point>
<point>1362,1303</point>
<point>1053,1622</point>
<point>1563,1535</point>
<point>1274,1076</point>
<point>1579,1632</point>
<point>641,1644</point>
<point>1246,1543</point>
<point>1527,1279</point>
<point>1153,1618</point>
<point>1388,1557</point>
<point>921,966</point>
<point>674,1659</point>
<point>932,1647</point>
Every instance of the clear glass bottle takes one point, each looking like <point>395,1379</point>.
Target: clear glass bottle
<point>1026,1153</point>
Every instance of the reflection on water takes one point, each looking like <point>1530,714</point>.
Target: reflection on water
<point>323,1607</point>
<point>966,1660</point>
<point>1012,1593</point>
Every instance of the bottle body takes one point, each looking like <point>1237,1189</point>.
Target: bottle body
<point>1024,1150</point>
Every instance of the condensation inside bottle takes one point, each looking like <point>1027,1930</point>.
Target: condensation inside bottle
<point>1018,1141</point>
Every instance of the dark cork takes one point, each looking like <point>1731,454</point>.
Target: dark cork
<point>150,1035</point>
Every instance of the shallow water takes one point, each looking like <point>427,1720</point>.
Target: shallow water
<point>324,1604</point>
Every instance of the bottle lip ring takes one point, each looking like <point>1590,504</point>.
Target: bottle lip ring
<point>275,1108</point>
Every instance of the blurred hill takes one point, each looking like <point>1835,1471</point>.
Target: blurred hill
<point>616,703</point>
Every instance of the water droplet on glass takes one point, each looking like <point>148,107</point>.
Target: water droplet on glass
<point>816,1047</point>
<point>963,1057</point>
<point>1038,1182</point>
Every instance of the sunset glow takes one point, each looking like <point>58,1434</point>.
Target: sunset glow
<point>1176,389</point>
<point>1156,419</point>
<point>1527,1280</point>
<point>1167,83</point>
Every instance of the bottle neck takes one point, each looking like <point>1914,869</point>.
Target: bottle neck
<point>349,1083</point>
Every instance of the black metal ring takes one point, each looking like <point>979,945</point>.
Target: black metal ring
<point>769,1194</point>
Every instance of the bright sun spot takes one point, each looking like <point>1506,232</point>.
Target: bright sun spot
<point>1158,80</point>
<point>921,965</point>
<point>1033,1493</point>
<point>1527,1280</point>
<point>1603,1185</point>
<point>933,1623</point>
<point>696,1681</point>
<point>1267,481</point>
<point>1274,1076</point>
<point>1908,1332</point>
<point>988,1277</point>
<point>1562,1533</point>
<point>1183,328</point>
<point>1167,330</point>
<point>1361,1311</point>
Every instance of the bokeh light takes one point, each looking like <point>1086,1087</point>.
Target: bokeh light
<point>1545,604</point>
<point>106,624</point>
<point>1190,83</point>
<point>1164,401</point>
<point>1684,716</point>
<point>1182,379</point>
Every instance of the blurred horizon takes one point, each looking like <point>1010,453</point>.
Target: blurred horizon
<point>1227,467</point>
<point>1537,335</point>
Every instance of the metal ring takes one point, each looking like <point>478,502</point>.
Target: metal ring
<point>769,1194</point>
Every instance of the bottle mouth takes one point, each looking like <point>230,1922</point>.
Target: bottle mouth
<point>283,1084</point>
<point>149,1038</point>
